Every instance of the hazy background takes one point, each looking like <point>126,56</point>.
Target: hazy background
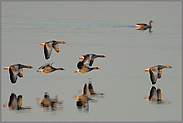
<point>93,27</point>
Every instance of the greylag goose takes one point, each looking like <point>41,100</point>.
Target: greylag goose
<point>156,72</point>
<point>92,57</point>
<point>47,68</point>
<point>49,45</point>
<point>16,70</point>
<point>15,103</point>
<point>83,66</point>
<point>143,26</point>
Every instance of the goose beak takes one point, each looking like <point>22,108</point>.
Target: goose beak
<point>38,71</point>
<point>31,67</point>
<point>146,70</point>
<point>81,58</point>
<point>171,67</point>
<point>6,68</point>
<point>42,44</point>
<point>64,42</point>
<point>76,71</point>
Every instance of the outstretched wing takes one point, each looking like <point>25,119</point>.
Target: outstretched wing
<point>13,70</point>
<point>55,46</point>
<point>47,50</point>
<point>47,64</point>
<point>153,75</point>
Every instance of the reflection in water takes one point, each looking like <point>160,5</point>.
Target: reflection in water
<point>84,99</point>
<point>48,103</point>
<point>15,103</point>
<point>155,96</point>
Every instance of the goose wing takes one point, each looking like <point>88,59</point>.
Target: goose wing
<point>55,46</point>
<point>153,74</point>
<point>47,49</point>
<point>86,60</point>
<point>13,70</point>
<point>20,74</point>
<point>47,64</point>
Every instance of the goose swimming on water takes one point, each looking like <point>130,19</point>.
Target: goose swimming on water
<point>143,26</point>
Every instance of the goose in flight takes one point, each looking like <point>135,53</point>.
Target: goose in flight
<point>156,72</point>
<point>83,66</point>
<point>143,26</point>
<point>15,103</point>
<point>49,45</point>
<point>16,70</point>
<point>47,68</point>
<point>92,57</point>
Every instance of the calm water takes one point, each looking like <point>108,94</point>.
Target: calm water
<point>93,27</point>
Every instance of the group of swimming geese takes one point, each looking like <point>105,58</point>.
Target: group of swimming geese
<point>84,66</point>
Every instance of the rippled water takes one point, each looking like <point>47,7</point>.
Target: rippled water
<point>93,27</point>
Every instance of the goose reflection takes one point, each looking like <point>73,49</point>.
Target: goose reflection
<point>155,96</point>
<point>83,100</point>
<point>49,103</point>
<point>90,89</point>
<point>15,103</point>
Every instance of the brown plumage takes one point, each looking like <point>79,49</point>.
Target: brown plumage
<point>16,70</point>
<point>49,45</point>
<point>156,72</point>
<point>47,68</point>
<point>143,26</point>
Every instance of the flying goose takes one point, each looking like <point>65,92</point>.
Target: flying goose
<point>49,45</point>
<point>47,68</point>
<point>156,72</point>
<point>16,70</point>
<point>92,58</point>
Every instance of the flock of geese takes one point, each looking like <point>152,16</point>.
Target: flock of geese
<point>84,66</point>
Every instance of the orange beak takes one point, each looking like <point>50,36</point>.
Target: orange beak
<point>31,67</point>
<point>171,67</point>
<point>6,68</point>
<point>146,70</point>
<point>76,71</point>
<point>42,44</point>
<point>64,42</point>
<point>38,71</point>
